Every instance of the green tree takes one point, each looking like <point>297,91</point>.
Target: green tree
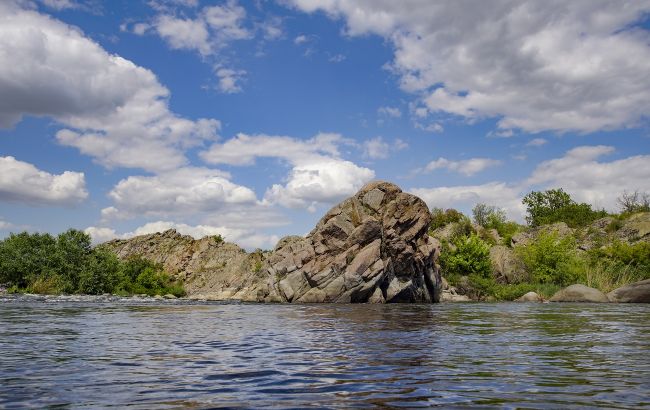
<point>25,257</point>
<point>73,249</point>
<point>469,256</point>
<point>552,259</point>
<point>555,205</point>
<point>100,274</point>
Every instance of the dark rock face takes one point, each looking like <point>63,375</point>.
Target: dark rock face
<point>373,247</point>
<point>637,292</point>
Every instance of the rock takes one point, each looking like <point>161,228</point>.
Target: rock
<point>447,296</point>
<point>373,247</point>
<point>637,292</point>
<point>635,228</point>
<point>158,297</point>
<point>506,266</point>
<point>579,293</point>
<point>530,297</point>
<point>169,296</point>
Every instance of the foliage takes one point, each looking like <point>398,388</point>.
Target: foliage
<point>555,205</point>
<point>551,259</point>
<point>491,217</point>
<point>469,256</point>
<point>440,217</point>
<point>632,202</point>
<point>218,239</point>
<point>40,263</point>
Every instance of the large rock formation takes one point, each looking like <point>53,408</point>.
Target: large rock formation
<point>372,247</point>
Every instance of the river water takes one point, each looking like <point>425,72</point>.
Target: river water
<point>102,352</point>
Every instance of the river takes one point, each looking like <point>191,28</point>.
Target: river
<point>102,352</point>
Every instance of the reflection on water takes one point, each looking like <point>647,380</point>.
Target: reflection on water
<point>176,355</point>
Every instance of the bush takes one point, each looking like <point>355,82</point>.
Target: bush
<point>26,257</point>
<point>100,274</point>
<point>633,202</point>
<point>440,217</point>
<point>552,259</point>
<point>471,256</point>
<point>555,205</point>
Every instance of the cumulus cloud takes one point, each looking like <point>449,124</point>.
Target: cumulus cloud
<point>579,172</point>
<point>392,112</point>
<point>229,80</point>
<point>183,191</point>
<point>376,148</point>
<point>467,167</point>
<point>23,182</point>
<point>318,174</point>
<point>301,39</point>
<point>464,198</point>
<point>113,110</point>
<point>535,66</point>
<point>243,237</point>
<point>596,182</point>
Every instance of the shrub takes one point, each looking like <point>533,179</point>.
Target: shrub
<point>440,217</point>
<point>218,239</point>
<point>555,205</point>
<point>101,274</point>
<point>471,256</point>
<point>552,259</point>
<point>25,257</point>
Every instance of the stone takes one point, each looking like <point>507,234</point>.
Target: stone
<point>169,296</point>
<point>530,297</point>
<point>637,292</point>
<point>579,293</point>
<point>506,266</point>
<point>448,296</point>
<point>372,247</point>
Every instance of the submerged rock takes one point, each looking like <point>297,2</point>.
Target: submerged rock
<point>637,292</point>
<point>579,293</point>
<point>372,247</point>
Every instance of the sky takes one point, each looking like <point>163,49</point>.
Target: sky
<point>250,119</point>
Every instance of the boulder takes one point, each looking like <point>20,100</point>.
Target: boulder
<point>637,292</point>
<point>635,228</point>
<point>579,293</point>
<point>526,237</point>
<point>530,297</point>
<point>506,266</point>
<point>373,247</point>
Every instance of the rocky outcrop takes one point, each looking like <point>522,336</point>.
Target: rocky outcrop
<point>372,247</point>
<point>637,292</point>
<point>526,237</point>
<point>579,293</point>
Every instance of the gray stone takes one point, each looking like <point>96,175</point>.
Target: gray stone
<point>579,293</point>
<point>637,292</point>
<point>530,297</point>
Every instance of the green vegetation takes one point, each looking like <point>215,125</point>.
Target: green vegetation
<point>591,254</point>
<point>555,205</point>
<point>218,239</point>
<point>41,263</point>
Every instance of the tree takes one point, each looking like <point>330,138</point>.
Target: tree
<point>488,216</point>
<point>632,202</point>
<point>24,257</point>
<point>555,205</point>
<point>73,248</point>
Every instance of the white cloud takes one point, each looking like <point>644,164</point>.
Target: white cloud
<point>536,142</point>
<point>392,112</point>
<point>301,39</point>
<point>578,172</point>
<point>184,191</point>
<point>182,33</point>
<point>23,182</point>
<point>376,148</point>
<point>337,58</point>
<point>318,174</point>
<point>325,181</point>
<point>243,149</point>
<point>243,237</point>
<point>433,127</point>
<point>467,167</point>
<point>60,4</point>
<point>115,111</point>
<point>588,180</point>
<point>229,80</point>
<point>5,226</point>
<point>464,198</point>
<point>553,65</point>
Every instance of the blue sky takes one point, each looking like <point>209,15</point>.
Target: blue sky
<point>251,119</point>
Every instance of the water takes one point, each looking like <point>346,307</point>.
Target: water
<point>173,354</point>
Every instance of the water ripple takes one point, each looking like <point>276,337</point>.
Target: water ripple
<point>114,352</point>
